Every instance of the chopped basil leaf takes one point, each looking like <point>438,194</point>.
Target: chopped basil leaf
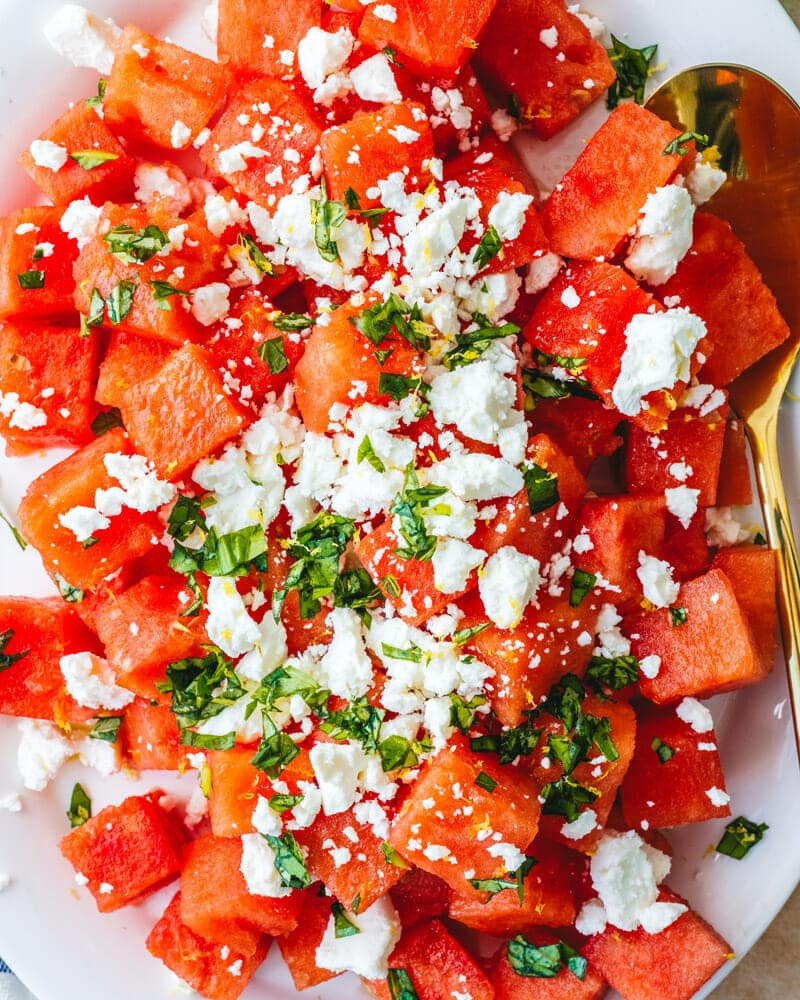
<point>513,107</point>
<point>91,158</point>
<point>106,728</point>
<point>72,595</point>
<point>615,672</point>
<point>255,254</point>
<point>206,741</point>
<point>366,451</point>
<point>408,507</point>
<point>759,539</point>
<point>545,961</point>
<point>582,583</point>
<point>543,385</point>
<point>392,857</point>
<point>87,543</point>
<point>740,836</point>
<point>283,803</point>
<point>397,752</point>
<point>472,344</point>
<point>465,635</point>
<point>680,144</point>
<point>352,200</point>
<point>355,905</point>
<point>382,356</point>
<point>358,721</point>
<point>541,486</point>
<point>289,861</point>
<point>120,301</point>
<point>391,54</point>
<point>287,322</point>
<point>185,517</point>
<point>413,653</point>
<point>317,549</point>
<point>326,216</point>
<point>275,751</point>
<point>274,353</point>
<point>95,102</point>
<point>632,67</point>
<point>394,315</point>
<point>462,712</point>
<point>400,985</point>
<point>559,361</point>
<point>9,659</point>
<point>163,291</point>
<point>515,880</point>
<point>663,751</point>
<point>105,421</point>
<point>14,530</point>
<point>234,554</point>
<point>136,246</point>
<point>355,588</point>
<point>399,386</point>
<point>509,744</point>
<point>343,926</point>
<point>565,798</point>
<point>196,605</point>
<point>286,681</point>
<point>486,782</point>
<point>678,616</point>
<point>488,248</point>
<point>80,806</point>
<point>201,687</point>
<point>390,585</point>
<point>31,279</point>
<point>97,305</point>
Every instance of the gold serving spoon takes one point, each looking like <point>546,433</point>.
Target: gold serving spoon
<point>756,126</point>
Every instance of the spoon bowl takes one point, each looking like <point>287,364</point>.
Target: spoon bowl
<point>755,125</point>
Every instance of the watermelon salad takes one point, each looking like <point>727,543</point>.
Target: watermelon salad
<point>398,507</point>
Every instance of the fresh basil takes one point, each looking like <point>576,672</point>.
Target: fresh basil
<point>343,926</point>
<point>31,279</point>
<point>465,635</point>
<point>471,345</point>
<point>289,861</point>
<point>396,752</point>
<point>207,741</point>
<point>80,806</point>
<point>663,751</point>
<point>392,857</point>
<point>70,593</point>
<point>317,549</point>
<point>566,797</point>
<point>544,961</point>
<point>326,216</point>
<point>515,880</point>
<point>367,453</point>
<point>136,246</point>
<point>462,712</point>
<point>486,782</point>
<point>273,352</point>
<point>614,672</point>
<point>394,316</point>
<point>14,531</point>
<point>408,508</point>
<point>201,687</point>
<point>357,721</point>
<point>287,322</point>
<point>9,659</point>
<point>163,292</point>
<point>255,254</point>
<point>89,159</point>
<point>282,803</point>
<point>633,68</point>
<point>678,616</point>
<point>275,751</point>
<point>105,421</point>
<point>400,985</point>
<point>96,102</point>
<point>541,487</point>
<point>488,248</point>
<point>680,144</point>
<point>106,728</point>
<point>740,836</point>
<point>581,585</point>
<point>120,301</point>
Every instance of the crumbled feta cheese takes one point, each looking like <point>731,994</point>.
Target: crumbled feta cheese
<point>626,873</point>
<point>512,857</point>
<point>591,919</point>
<point>658,348</point>
<point>366,953</point>
<point>321,53</point>
<point>704,180</point>
<point>90,681</point>
<point>508,214</point>
<point>11,802</point>
<point>682,503</point>
<point>180,135</point>
<point>695,714</point>
<point>83,522</point>
<point>549,37</point>
<point>722,528</point>
<point>82,37</point>
<point>80,219</point>
<point>210,303</point>
<point>336,767</point>
<point>507,585</point>
<point>23,415</point>
<point>663,235</point>
<point>385,12</point>
<point>650,666</point>
<point>655,576</point>
<point>229,626</point>
<point>374,80</point>
<point>453,561</point>
<point>570,298</point>
<point>44,748</point>
<point>580,827</point>
<point>48,154</point>
<point>258,867</point>
<point>718,797</point>
<point>477,477</point>
<point>345,669</point>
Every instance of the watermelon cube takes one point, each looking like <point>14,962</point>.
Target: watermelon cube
<point>129,359</point>
<point>36,261</point>
<point>510,985</point>
<point>126,851</point>
<point>254,38</point>
<point>299,947</point>
<point>752,570</point>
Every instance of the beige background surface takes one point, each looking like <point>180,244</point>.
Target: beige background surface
<point>769,972</point>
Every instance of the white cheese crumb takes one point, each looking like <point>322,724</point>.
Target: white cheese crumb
<point>48,154</point>
<point>82,37</point>
<point>366,953</point>
<point>696,715</point>
<point>655,576</point>
<point>507,585</point>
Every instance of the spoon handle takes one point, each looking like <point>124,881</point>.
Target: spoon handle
<point>779,532</point>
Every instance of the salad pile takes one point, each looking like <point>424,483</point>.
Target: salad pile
<point>399,509</point>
